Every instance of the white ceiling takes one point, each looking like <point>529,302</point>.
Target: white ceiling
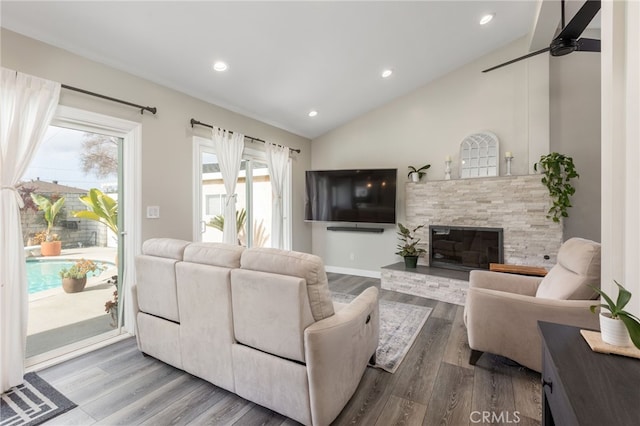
<point>285,58</point>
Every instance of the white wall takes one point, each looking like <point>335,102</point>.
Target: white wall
<point>166,137</point>
<point>427,125</point>
<point>575,131</point>
<point>620,148</point>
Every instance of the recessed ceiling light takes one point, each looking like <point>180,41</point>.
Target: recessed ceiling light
<point>387,73</point>
<point>486,18</point>
<point>220,66</point>
<point>313,113</point>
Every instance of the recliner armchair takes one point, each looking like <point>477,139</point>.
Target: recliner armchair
<point>502,310</point>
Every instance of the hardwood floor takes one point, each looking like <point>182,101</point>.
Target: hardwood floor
<point>434,385</point>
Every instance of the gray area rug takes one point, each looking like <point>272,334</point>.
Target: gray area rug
<point>400,324</point>
<point>32,403</point>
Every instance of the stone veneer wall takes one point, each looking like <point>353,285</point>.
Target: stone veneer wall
<point>518,204</point>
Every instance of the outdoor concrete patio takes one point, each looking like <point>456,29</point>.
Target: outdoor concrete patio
<point>57,318</point>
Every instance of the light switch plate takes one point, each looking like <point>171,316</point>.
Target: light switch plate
<point>153,212</point>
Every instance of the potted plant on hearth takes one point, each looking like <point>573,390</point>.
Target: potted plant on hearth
<point>51,246</point>
<point>408,247</point>
<point>75,278</point>
<point>415,174</point>
<point>617,326</point>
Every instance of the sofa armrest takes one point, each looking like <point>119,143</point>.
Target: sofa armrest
<point>512,283</point>
<point>337,350</point>
<point>507,324</point>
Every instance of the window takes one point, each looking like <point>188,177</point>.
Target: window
<point>254,198</point>
<point>214,204</point>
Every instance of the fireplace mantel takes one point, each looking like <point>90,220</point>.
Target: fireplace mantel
<point>518,204</point>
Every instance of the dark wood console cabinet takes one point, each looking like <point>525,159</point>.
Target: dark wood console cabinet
<point>582,387</point>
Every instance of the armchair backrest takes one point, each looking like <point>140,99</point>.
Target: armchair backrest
<point>578,267</point>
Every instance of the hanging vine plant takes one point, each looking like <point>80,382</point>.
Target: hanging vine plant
<point>558,170</point>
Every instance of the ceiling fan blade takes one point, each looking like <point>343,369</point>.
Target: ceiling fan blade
<point>579,22</point>
<point>537,52</point>
<point>588,45</point>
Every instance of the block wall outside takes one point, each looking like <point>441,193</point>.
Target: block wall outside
<point>518,204</point>
<point>88,233</point>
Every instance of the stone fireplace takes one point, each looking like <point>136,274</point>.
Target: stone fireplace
<point>465,247</point>
<point>516,204</point>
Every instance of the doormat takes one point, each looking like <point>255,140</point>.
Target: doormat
<point>400,324</point>
<point>32,403</point>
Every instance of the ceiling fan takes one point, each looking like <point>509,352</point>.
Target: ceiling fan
<point>567,41</point>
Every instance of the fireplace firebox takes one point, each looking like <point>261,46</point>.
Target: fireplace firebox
<point>464,247</point>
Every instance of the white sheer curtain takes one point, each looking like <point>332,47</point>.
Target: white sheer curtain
<point>277,161</point>
<point>229,147</point>
<point>27,105</point>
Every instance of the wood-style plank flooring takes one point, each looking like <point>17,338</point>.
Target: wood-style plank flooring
<point>434,385</point>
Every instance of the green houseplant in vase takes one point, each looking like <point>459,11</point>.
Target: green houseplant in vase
<point>415,174</point>
<point>408,247</point>
<point>617,326</point>
<point>74,278</point>
<point>51,246</point>
<point>558,170</point>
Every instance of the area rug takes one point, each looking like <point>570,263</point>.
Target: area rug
<point>400,324</point>
<point>32,403</point>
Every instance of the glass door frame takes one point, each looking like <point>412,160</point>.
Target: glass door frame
<point>202,145</point>
<point>129,240</point>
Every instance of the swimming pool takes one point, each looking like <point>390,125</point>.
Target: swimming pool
<point>42,274</point>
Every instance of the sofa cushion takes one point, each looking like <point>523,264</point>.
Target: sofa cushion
<point>156,286</point>
<point>578,267</point>
<point>270,312</point>
<point>295,264</point>
<point>215,254</point>
<point>165,247</point>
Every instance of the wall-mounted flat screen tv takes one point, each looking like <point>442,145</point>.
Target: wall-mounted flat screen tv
<point>361,196</point>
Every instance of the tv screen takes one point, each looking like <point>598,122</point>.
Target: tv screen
<point>367,196</point>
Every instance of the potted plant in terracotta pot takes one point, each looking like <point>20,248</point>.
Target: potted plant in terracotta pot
<point>51,246</point>
<point>74,278</point>
<point>618,327</point>
<point>408,247</point>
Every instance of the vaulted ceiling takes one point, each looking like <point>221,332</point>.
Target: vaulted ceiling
<point>284,58</point>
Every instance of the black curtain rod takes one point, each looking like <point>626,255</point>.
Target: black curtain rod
<point>152,110</point>
<point>195,122</point>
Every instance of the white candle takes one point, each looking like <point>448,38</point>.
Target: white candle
<point>447,158</point>
<point>508,154</point>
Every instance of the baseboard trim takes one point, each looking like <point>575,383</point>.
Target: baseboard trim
<point>351,271</point>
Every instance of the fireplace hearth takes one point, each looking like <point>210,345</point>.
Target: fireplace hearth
<point>465,247</point>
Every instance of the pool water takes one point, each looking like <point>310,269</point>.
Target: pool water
<point>44,274</point>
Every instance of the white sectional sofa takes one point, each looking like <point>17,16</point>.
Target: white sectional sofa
<point>257,322</point>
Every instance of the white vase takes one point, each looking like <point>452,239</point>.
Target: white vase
<point>614,331</point>
<point>415,177</point>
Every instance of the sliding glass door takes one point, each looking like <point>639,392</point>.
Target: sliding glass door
<point>67,307</point>
<point>253,203</point>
